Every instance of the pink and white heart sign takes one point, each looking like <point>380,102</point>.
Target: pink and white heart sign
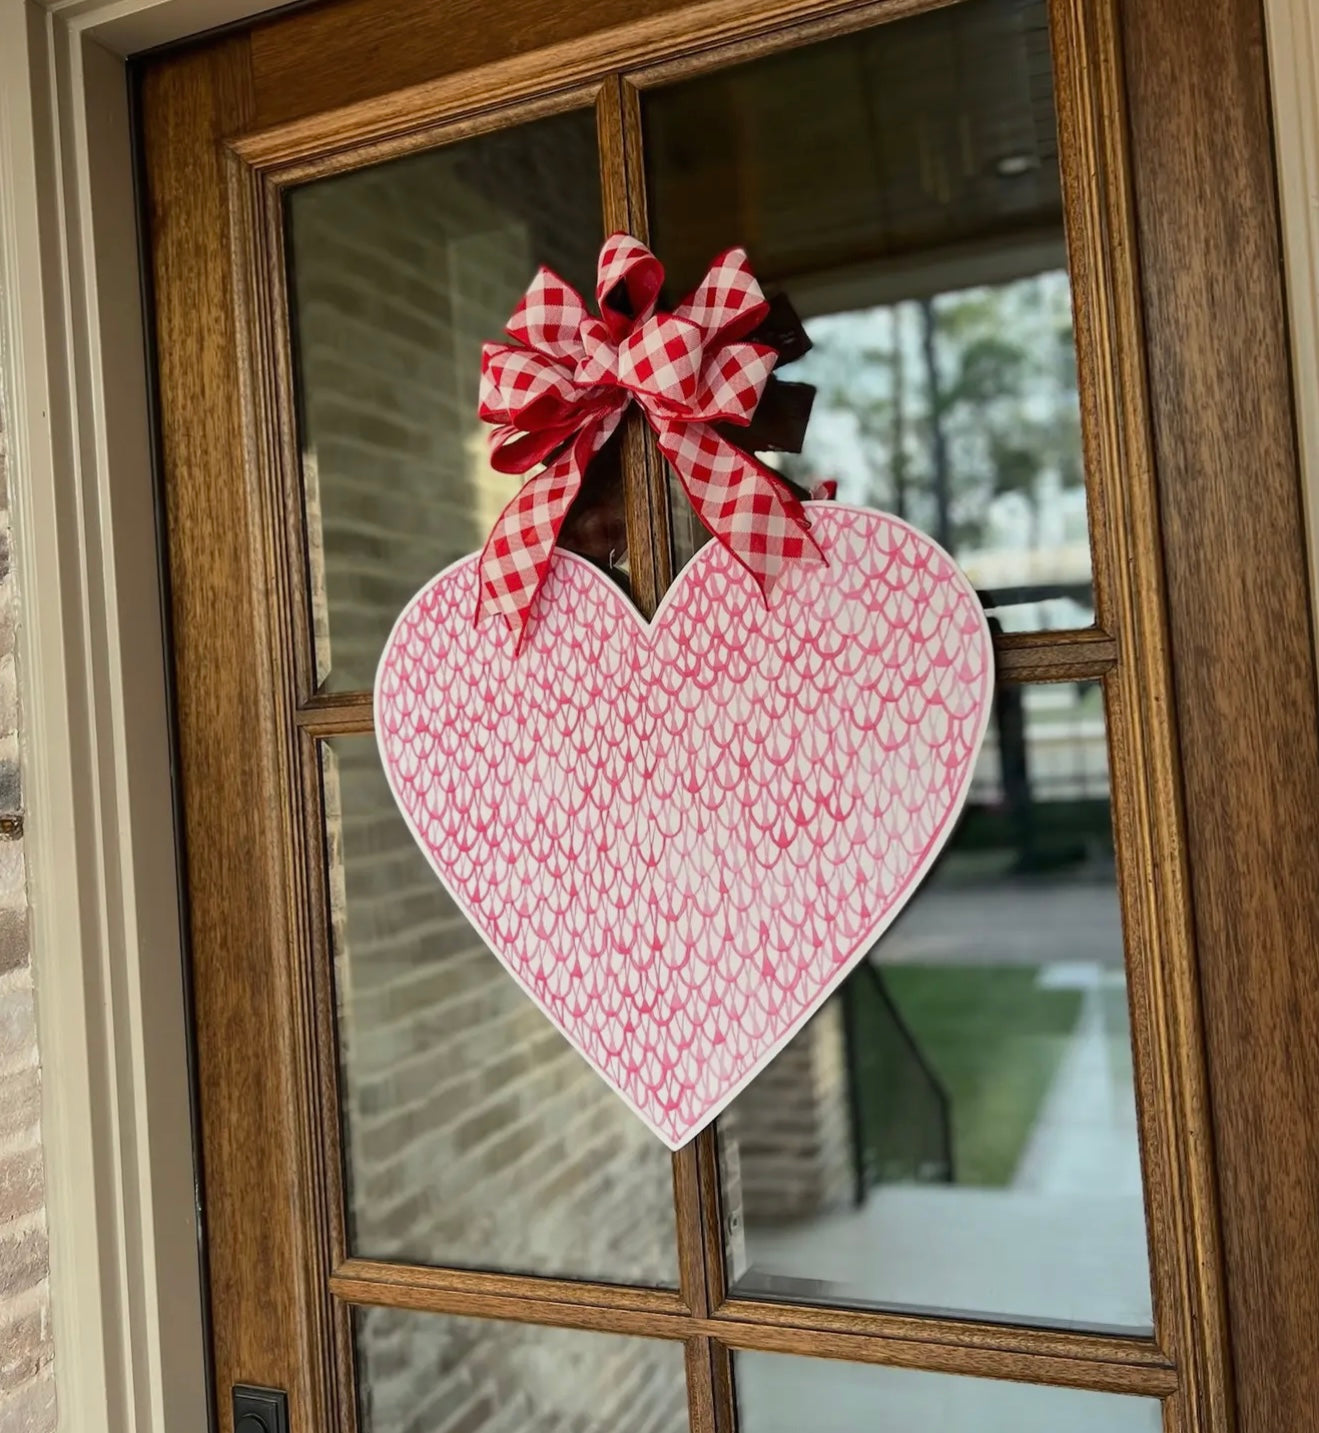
<point>679,836</point>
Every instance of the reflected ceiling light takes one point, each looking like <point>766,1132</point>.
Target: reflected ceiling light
<point>1011,165</point>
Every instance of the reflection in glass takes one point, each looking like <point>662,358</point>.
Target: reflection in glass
<point>901,186</point>
<point>427,1373</point>
<point>475,1135</point>
<point>956,1130</point>
<point>780,1394</point>
<point>399,273</point>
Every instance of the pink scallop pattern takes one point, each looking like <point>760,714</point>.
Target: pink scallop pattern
<point>679,837</point>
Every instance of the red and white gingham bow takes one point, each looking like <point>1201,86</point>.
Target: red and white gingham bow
<point>561,389</point>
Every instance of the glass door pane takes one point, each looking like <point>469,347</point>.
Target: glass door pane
<point>956,1130</point>
<point>426,1373</point>
<point>901,187</point>
<point>400,272</point>
<point>778,1394</point>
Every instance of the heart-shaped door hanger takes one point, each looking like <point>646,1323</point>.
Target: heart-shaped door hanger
<point>679,836</point>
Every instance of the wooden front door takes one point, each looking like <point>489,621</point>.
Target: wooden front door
<point>1050,1158</point>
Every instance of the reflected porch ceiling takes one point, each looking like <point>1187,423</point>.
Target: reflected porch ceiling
<point>910,158</point>
<point>901,161</point>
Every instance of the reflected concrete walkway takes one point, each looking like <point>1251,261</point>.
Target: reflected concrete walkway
<point>1085,1135</point>
<point>1008,922</point>
<point>1065,1243</point>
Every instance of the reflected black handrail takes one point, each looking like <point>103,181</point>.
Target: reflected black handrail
<point>901,1112</point>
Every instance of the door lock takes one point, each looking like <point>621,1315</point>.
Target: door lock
<point>260,1410</point>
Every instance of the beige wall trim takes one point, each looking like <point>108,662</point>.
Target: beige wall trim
<point>105,936</point>
<point>1293,32</point>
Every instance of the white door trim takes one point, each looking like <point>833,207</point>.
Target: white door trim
<point>126,1291</point>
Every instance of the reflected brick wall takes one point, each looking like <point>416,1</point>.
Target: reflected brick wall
<point>789,1134</point>
<point>511,1378</point>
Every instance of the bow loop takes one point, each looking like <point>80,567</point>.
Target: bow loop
<point>536,406</point>
<point>516,382</point>
<point>728,303</point>
<point>549,318</point>
<point>628,284</point>
<point>558,393</point>
<point>733,383</point>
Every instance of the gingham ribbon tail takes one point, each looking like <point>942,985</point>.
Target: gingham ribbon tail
<point>560,389</point>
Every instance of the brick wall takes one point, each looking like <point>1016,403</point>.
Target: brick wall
<point>27,1390</point>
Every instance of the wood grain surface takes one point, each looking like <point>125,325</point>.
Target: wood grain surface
<point>254,1199</point>
<point>1242,654</point>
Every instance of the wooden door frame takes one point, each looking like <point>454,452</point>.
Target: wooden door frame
<point>128,1351</point>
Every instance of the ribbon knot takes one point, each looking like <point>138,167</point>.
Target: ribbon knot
<point>557,393</point>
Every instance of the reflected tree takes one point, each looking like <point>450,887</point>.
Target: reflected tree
<point>956,411</point>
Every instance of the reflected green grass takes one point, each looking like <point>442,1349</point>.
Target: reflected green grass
<point>995,1038</point>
